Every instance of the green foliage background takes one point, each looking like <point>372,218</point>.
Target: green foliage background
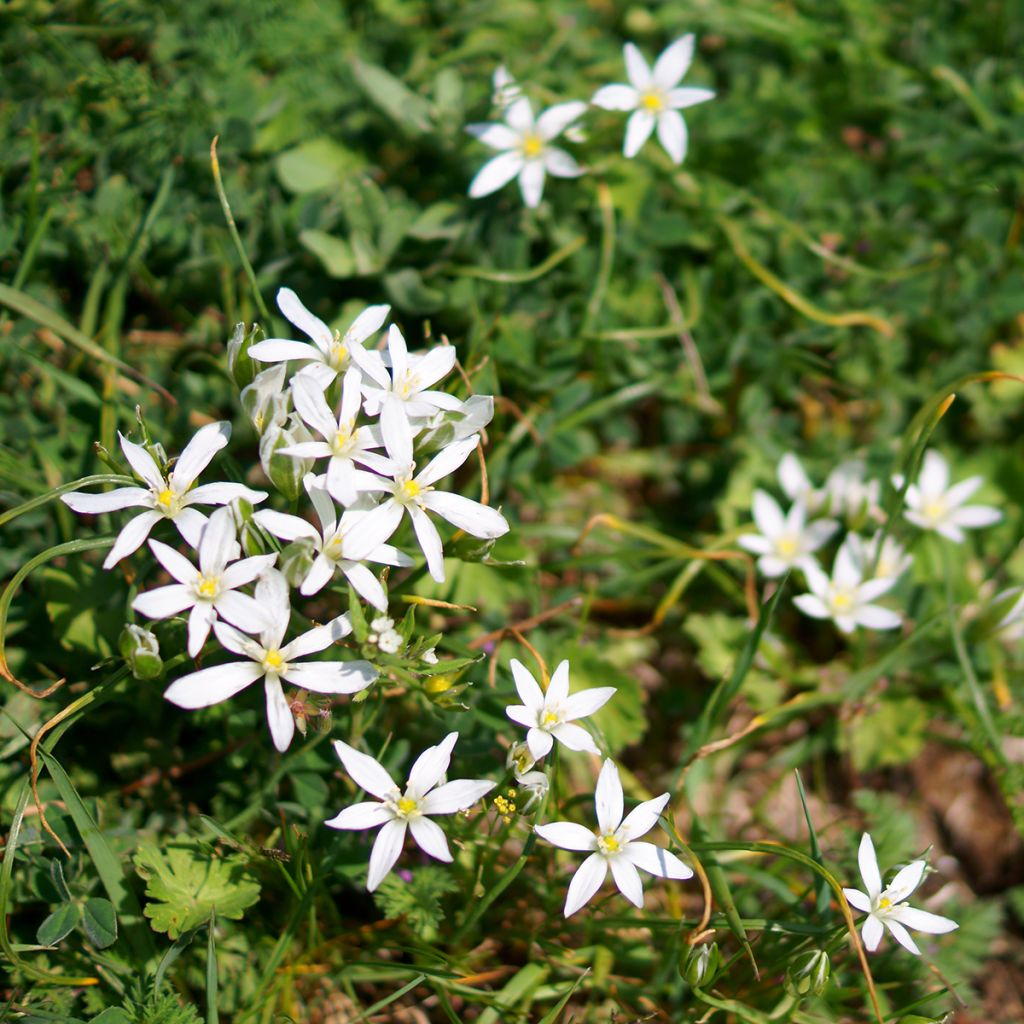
<point>861,156</point>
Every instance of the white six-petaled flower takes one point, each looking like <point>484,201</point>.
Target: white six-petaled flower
<point>933,505</point>
<point>887,908</point>
<point>210,590</point>
<point>655,98</point>
<point>165,497</point>
<point>331,546</point>
<point>525,149</point>
<point>397,810</point>
<point>846,596</point>
<point>614,845</point>
<point>330,352</point>
<point>785,541</point>
<point>549,714</point>
<point>273,660</point>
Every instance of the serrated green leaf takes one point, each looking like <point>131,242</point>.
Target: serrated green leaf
<point>58,925</point>
<point>100,922</point>
<point>186,881</point>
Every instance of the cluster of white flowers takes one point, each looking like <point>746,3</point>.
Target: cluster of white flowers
<point>864,569</point>
<point>383,401</point>
<point>524,143</point>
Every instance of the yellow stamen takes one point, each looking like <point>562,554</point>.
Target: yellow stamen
<point>549,718</point>
<point>165,497</point>
<point>608,843</point>
<point>786,546</point>
<point>533,146</point>
<point>406,806</point>
<point>652,101</point>
<point>410,489</point>
<point>934,510</point>
<point>842,601</point>
<point>208,586</point>
<point>884,903</point>
<point>272,661</point>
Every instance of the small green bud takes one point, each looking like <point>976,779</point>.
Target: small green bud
<point>284,471</point>
<point>141,650</point>
<point>701,965</point>
<point>296,560</point>
<point>266,399</point>
<point>808,974</point>
<point>240,366</point>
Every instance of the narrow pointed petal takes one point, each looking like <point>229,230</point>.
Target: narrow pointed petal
<point>901,935</point>
<point>872,616</point>
<point>755,543</point>
<point>672,135</point>
<point>616,97</point>
<point>321,573</point>
<point>395,429</point>
<point>369,814</point>
<point>291,305</point>
<point>429,540</point>
<point>588,879</point>
<point>519,116</point>
<point>767,515</point>
<point>636,68</point>
<point>905,882</point>
<point>531,182</point>
<point>241,611</point>
<point>198,452</point>
<point>233,640</point>
<point>368,323</point>
<point>495,174</point>
<point>608,797</point>
<point>858,899</point>
<point>142,462</point>
<point>527,687</point>
<point>553,121</point>
<point>312,407</point>
<point>522,715</point>
<point>217,544</point>
<point>792,477</point>
<point>922,921</point>
<point>674,62</point>
<point>638,130</point>
<point>561,164</point>
<point>189,522</point>
<point>246,570</point>
<point>280,350</point>
<point>558,685</point>
<point>429,768</point>
<point>813,606</point>
<point>200,620</point>
<point>279,715</point>
<point>975,516</point>
<point>627,878</point>
<point>575,737</point>
<point>386,849</point>
<point>365,584</point>
<point>871,933</point>
<point>476,519</point>
<point>497,136</point>
<point>435,365</point>
<point>317,639</point>
<point>540,742</point>
<point>222,494</point>
<point>164,602</point>
<point>131,537</point>
<point>586,702</point>
<point>867,861</point>
<point>680,99</point>
<point>643,817</point>
<point>430,838</point>
<point>456,796</point>
<point>332,676</point>
<point>933,480</point>
<point>447,461</point>
<point>174,562</point>
<point>373,529</point>
<point>366,772</point>
<point>656,861</point>
<point>212,685</point>
<point>567,835</point>
<point>108,501</point>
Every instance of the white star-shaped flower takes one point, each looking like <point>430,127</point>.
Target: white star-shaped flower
<point>614,845</point>
<point>272,660</point>
<point>892,563</point>
<point>210,590</point>
<point>344,444</point>
<point>784,542</point>
<point>933,505</point>
<point>165,497</point>
<point>331,546</point>
<point>655,98</point>
<point>414,494</point>
<point>397,810</point>
<point>846,597</point>
<point>526,150</point>
<point>329,354</point>
<point>549,714</point>
<point>886,908</point>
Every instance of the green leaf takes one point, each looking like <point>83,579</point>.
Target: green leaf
<point>186,881</point>
<point>58,925</point>
<point>317,164</point>
<point>407,290</point>
<point>891,733</point>
<point>393,97</point>
<point>334,253</point>
<point>57,878</point>
<point>100,922</point>
<point>112,1015</point>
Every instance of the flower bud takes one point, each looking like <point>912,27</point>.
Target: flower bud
<point>141,650</point>
<point>296,560</point>
<point>456,425</point>
<point>285,471</point>
<point>240,366</point>
<point>265,400</point>
<point>701,965</point>
<point>808,974</point>
<point>519,758</point>
<point>534,785</point>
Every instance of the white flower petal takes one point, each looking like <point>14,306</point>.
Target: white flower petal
<point>792,478</point>
<point>447,461</point>
<point>901,935</point>
<point>429,540</point>
<point>467,514</point>
<point>311,405</point>
<point>871,933</point>
<point>616,97</point>
<point>553,121</point>
<point>131,537</point>
<point>575,737</point>
<point>586,702</point>
<point>527,687</point>
<point>319,638</point>
<point>497,136</point>
<point>531,182</point>
<point>280,350</point>
<point>386,849</point>
<point>430,838</point>
<point>567,835</point>
<point>812,605</point>
<point>455,796</point>
<point>657,861</point>
<point>142,462</point>
<point>872,616</point>
<point>221,494</point>
<point>217,544</point>
<point>559,163</point>
<point>674,62</point>
<point>636,68</point>
<point>200,620</point>
<point>858,899</point>
<point>428,769</point>
<point>164,602</point>
<point>587,880</point>
<point>905,882</point>
<point>368,814</point>
<point>975,516</point>
<point>643,817</point>
<point>108,501</point>
<point>680,99</point>
<point>198,452</point>
<point>495,174</point>
<point>241,611</point>
<point>237,642</point>
<point>395,429</point>
<point>373,529</point>
<point>638,130</point>
<point>922,921</point>
<point>368,323</point>
<point>212,685</point>
<point>867,861</point>
<point>627,878</point>
<point>522,715</point>
<point>558,685</point>
<point>672,134</point>
<point>519,116</point>
<point>246,570</point>
<point>332,676</point>
<point>189,522</point>
<point>366,772</point>
<point>608,797</point>
<point>365,584</point>
<point>279,715</point>
<point>933,480</point>
<point>539,742</point>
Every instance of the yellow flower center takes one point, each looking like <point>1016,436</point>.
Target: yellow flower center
<point>343,438</point>
<point>934,510</point>
<point>406,806</point>
<point>652,101</point>
<point>842,601</point>
<point>533,146</point>
<point>787,547</point>
<point>272,661</point>
<point>884,903</point>
<point>409,490</point>
<point>608,844</point>
<point>207,586</point>
<point>338,357</point>
<point>549,718</point>
<point>165,498</point>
